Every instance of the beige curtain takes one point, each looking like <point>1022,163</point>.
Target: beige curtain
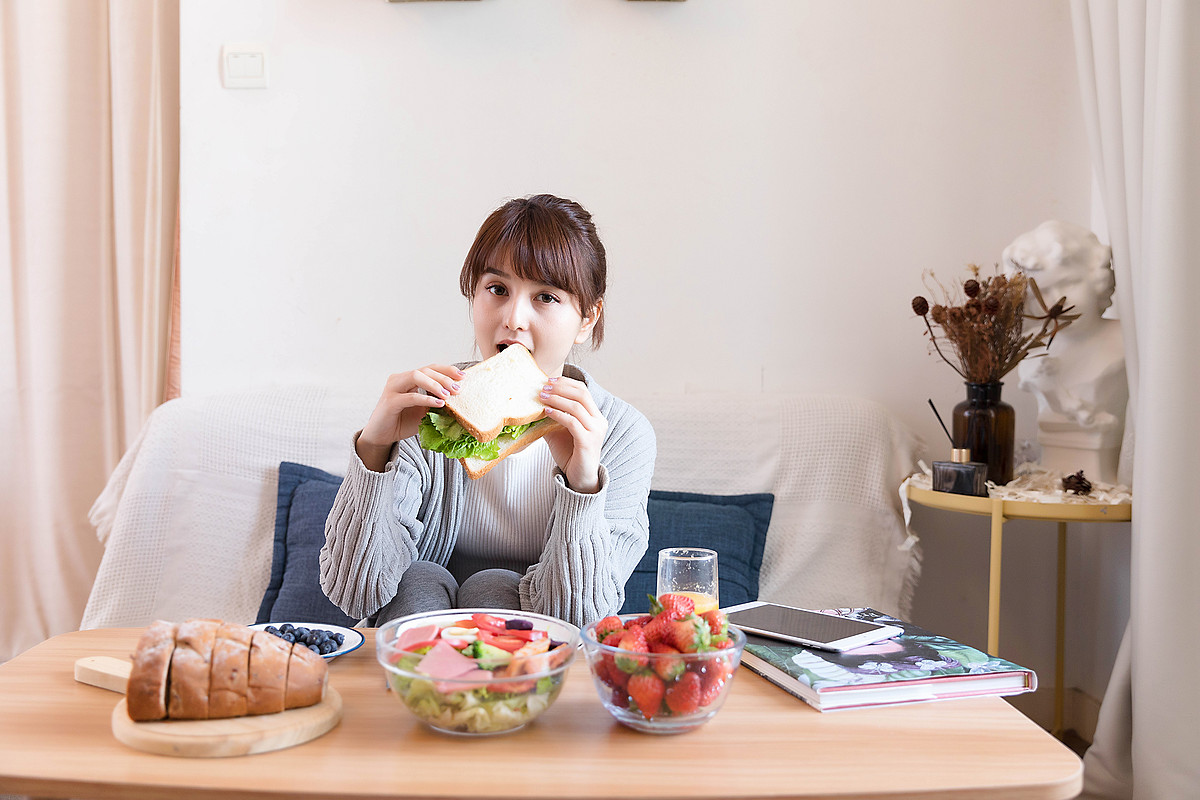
<point>89,98</point>
<point>1139,69</point>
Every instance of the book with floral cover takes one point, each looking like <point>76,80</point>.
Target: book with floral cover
<point>913,667</point>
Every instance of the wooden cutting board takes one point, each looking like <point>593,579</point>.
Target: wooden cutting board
<point>209,738</point>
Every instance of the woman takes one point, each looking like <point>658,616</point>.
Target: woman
<point>555,529</point>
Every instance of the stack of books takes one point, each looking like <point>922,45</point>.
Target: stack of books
<point>913,667</point>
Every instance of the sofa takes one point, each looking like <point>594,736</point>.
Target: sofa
<point>798,494</point>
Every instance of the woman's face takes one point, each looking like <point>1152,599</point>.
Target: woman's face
<point>507,309</point>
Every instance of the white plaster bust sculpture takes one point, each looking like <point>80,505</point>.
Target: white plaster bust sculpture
<point>1080,382</point>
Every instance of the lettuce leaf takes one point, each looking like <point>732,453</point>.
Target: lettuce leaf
<point>439,431</point>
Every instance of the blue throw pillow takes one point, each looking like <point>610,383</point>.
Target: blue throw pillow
<point>294,590</point>
<point>733,525</point>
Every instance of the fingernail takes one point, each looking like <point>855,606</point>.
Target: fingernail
<point>455,387</point>
<point>547,387</point>
<point>545,393</point>
<point>552,380</point>
<point>460,372</point>
<point>439,401</point>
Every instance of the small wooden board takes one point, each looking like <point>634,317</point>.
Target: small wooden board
<point>235,736</point>
<point>209,738</point>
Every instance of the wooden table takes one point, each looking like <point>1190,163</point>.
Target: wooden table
<point>56,741</point>
<point>1001,510</point>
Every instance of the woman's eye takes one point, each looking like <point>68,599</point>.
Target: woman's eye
<point>497,290</point>
<point>546,297</point>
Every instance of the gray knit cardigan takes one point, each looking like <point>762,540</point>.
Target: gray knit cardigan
<point>382,521</point>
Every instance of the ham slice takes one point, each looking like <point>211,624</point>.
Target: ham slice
<point>420,634</point>
<point>443,662</point>
<point>475,679</point>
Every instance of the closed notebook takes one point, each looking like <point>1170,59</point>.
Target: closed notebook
<point>913,667</point>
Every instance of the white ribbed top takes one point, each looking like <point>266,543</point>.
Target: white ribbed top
<point>503,522</point>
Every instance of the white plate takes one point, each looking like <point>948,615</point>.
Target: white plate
<point>352,639</point>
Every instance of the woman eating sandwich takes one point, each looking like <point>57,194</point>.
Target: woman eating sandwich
<point>554,527</point>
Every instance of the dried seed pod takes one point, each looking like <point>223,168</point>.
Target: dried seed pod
<point>938,313</point>
<point>971,287</point>
<point>920,306</point>
<point>1077,483</point>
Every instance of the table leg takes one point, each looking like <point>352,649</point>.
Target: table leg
<point>1060,630</point>
<point>993,636</point>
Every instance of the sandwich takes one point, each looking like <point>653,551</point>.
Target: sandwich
<point>497,412</point>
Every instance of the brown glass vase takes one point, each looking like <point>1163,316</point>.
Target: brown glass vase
<point>986,425</point>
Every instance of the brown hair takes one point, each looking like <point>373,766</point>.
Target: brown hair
<point>546,239</point>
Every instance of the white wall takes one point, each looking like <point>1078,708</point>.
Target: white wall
<point>771,178</point>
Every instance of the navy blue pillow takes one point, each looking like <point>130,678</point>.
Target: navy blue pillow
<point>733,525</point>
<point>294,591</point>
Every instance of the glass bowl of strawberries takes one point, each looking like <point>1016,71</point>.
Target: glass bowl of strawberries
<point>667,671</point>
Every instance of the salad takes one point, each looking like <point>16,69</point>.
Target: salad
<point>476,672</point>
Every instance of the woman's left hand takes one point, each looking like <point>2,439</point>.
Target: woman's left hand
<point>576,446</point>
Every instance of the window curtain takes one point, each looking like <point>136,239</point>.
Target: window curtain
<point>1139,69</point>
<point>89,155</point>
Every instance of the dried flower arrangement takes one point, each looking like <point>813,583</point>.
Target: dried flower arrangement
<point>985,329</point>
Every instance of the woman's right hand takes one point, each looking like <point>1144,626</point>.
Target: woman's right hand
<point>407,396</point>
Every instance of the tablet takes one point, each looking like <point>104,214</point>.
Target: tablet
<point>808,628</point>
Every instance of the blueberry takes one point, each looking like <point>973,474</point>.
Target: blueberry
<point>320,636</point>
<point>315,649</point>
<point>327,647</point>
<point>339,638</point>
<point>302,632</point>
<point>271,629</point>
<point>518,625</point>
<point>286,627</point>
<point>288,637</point>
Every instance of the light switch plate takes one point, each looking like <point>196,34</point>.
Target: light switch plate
<point>244,66</point>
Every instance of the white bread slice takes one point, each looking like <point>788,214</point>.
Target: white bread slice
<point>502,390</point>
<point>191,667</point>
<point>146,690</point>
<point>478,467</point>
<point>267,683</point>
<point>306,677</point>
<point>230,672</point>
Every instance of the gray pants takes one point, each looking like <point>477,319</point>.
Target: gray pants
<point>427,586</point>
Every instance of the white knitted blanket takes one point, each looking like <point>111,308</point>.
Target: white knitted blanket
<point>187,518</point>
<point>837,537</point>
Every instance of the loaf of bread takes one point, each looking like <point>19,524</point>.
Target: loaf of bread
<point>209,669</point>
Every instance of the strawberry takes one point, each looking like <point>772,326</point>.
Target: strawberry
<point>659,629</point>
<point>632,641</point>
<point>606,626</point>
<point>716,674</point>
<point>684,695</point>
<point>722,642</point>
<point>641,621</point>
<point>675,606</point>
<point>646,689</point>
<point>613,639</point>
<point>690,634</point>
<point>716,621</point>
<point>666,667</point>
<point>601,669</point>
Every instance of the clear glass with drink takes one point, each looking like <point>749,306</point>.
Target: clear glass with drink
<point>690,571</point>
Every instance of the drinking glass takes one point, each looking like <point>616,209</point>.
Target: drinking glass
<point>690,571</point>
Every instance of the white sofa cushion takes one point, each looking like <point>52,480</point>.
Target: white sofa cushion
<point>187,518</point>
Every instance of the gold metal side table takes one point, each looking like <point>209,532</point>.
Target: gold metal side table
<point>1000,510</point>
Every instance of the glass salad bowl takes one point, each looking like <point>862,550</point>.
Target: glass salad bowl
<point>476,671</point>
